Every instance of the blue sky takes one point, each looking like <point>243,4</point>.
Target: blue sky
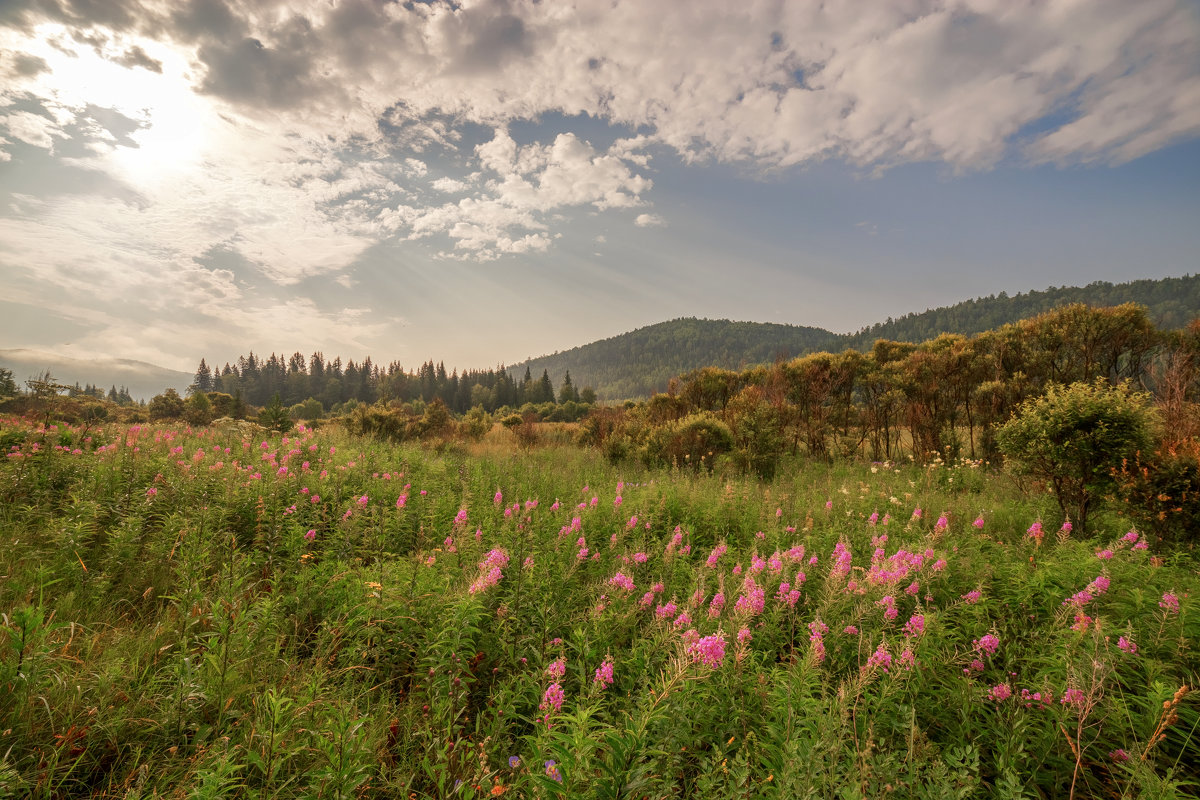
<point>479,182</point>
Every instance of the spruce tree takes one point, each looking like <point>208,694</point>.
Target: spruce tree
<point>203,381</point>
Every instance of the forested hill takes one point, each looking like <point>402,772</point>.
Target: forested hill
<point>641,362</point>
<point>1170,302</point>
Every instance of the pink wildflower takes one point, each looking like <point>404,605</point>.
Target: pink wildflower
<point>709,650</point>
<point>978,523</point>
<point>621,581</point>
<point>604,673</point>
<point>880,658</point>
<point>1000,692</point>
<point>557,668</point>
<point>1127,645</point>
<point>989,644</point>
<point>552,701</point>
<point>1169,602</point>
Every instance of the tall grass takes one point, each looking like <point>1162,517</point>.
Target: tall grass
<point>193,614</point>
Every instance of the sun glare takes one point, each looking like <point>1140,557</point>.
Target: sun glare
<point>175,122</point>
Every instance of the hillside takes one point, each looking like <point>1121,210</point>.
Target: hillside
<point>643,361</point>
<point>1170,302</point>
<point>144,380</point>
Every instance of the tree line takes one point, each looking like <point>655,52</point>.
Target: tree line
<point>943,398</point>
<point>325,385</point>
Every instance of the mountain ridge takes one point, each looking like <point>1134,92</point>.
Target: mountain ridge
<point>1171,303</point>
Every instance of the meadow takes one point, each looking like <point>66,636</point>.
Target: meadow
<point>240,613</point>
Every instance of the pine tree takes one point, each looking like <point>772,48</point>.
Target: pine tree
<point>545,389</point>
<point>567,393</point>
<point>203,381</point>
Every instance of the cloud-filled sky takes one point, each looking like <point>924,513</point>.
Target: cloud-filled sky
<point>482,181</point>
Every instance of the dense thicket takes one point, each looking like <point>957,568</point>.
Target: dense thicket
<point>943,397</point>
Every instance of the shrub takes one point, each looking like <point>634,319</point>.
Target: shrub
<point>168,405</point>
<point>475,424</point>
<point>275,416</point>
<point>695,441</point>
<point>1161,494</point>
<point>1074,437</point>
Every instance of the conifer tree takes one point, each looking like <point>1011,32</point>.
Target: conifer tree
<point>203,381</point>
<point>567,393</point>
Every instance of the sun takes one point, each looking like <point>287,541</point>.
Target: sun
<point>175,123</point>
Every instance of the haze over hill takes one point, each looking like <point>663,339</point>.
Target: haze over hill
<point>142,379</point>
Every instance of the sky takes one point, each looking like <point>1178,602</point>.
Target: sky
<point>484,181</point>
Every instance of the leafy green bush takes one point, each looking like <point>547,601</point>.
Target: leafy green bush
<point>1075,436</point>
<point>692,442</point>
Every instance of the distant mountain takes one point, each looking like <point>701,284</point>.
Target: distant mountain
<point>1171,303</point>
<point>144,380</point>
<point>641,362</point>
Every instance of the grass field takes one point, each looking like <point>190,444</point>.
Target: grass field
<point>198,614</point>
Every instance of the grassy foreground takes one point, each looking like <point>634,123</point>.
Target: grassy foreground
<point>198,614</point>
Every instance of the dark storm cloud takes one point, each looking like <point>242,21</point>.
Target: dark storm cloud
<point>137,57</point>
<point>25,65</point>
<point>487,37</point>
<point>207,19</point>
<point>362,34</point>
<point>24,14</point>
<point>253,73</point>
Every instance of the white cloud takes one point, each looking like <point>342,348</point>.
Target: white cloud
<point>284,130</point>
<point>450,185</point>
<point>649,221</point>
<point>524,188</point>
<point>32,129</point>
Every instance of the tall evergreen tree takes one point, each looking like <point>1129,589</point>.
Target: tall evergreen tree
<point>545,389</point>
<point>567,393</point>
<point>203,382</point>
